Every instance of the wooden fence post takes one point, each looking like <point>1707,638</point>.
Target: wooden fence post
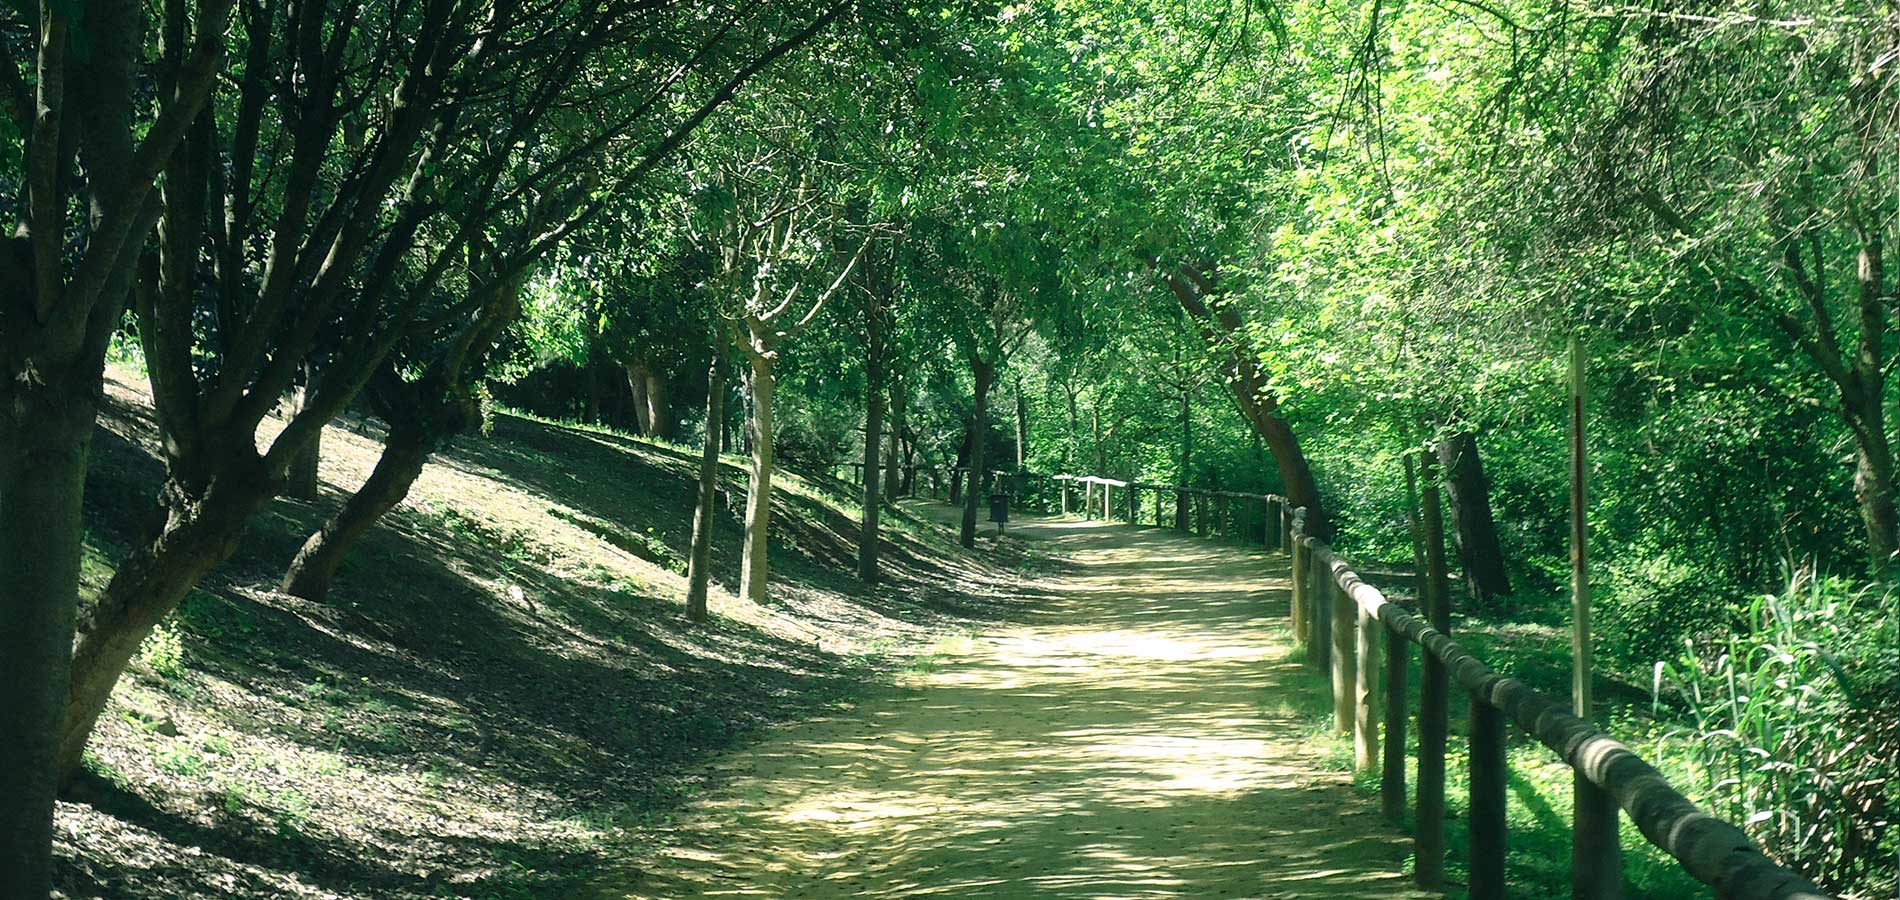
<point>1108,505</point>
<point>1134,504</point>
<point>1486,808</point>
<point>1434,702</point>
<point>1200,513</point>
<point>1345,621</point>
<point>1365,687</point>
<point>1398,657</point>
<point>1297,610</point>
<point>1319,614</point>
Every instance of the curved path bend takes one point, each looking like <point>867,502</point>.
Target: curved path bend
<point>1134,741</point>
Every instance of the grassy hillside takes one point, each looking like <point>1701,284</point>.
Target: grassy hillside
<point>501,692</point>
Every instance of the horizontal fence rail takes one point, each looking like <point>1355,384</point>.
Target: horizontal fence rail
<point>1351,632</point>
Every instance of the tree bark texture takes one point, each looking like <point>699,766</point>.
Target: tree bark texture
<point>699,563</point>
<point>1470,494</point>
<point>982,373</point>
<point>405,451</point>
<point>45,435</point>
<point>872,502</point>
<point>758,500</point>
<point>1221,326</point>
<point>201,530</point>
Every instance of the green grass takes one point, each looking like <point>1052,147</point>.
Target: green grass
<point>1538,797</point>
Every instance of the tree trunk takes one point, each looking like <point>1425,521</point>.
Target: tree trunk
<point>637,383</point>
<point>200,532</point>
<point>1022,426</point>
<point>1101,452</point>
<point>45,434</point>
<point>1222,326</point>
<point>661,422</point>
<point>1874,486</point>
<point>873,432</point>
<point>893,466</point>
<point>957,470</point>
<point>1469,492</point>
<point>315,566</point>
<point>304,479</point>
<point>699,564</point>
<point>1187,459</point>
<point>590,373</point>
<point>758,500</point>
<point>910,465</point>
<point>982,372</point>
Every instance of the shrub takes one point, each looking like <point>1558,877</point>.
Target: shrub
<point>1650,604</point>
<point>162,653</point>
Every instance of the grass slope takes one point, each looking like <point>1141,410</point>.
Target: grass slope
<point>501,693</point>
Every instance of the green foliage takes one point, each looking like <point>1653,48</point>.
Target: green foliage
<point>163,653</point>
<point>1652,601</point>
<point>1797,726</point>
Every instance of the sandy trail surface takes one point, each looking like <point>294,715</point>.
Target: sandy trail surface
<point>1131,740</point>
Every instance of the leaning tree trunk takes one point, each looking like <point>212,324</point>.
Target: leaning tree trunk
<point>758,500</point>
<point>1221,326</point>
<point>45,435</point>
<point>699,563</point>
<point>315,566</point>
<point>1470,495</point>
<point>981,372</point>
<point>201,531</point>
<point>873,431</point>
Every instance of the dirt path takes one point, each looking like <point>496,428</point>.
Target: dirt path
<point>1129,744</point>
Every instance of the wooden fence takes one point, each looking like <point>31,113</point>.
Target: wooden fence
<point>1353,634</point>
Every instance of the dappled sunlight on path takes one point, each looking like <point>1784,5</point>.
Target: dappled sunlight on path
<point>1126,744</point>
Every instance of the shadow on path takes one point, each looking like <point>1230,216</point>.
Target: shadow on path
<point>1127,744</point>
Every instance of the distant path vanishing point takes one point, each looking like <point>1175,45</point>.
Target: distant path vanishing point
<point>1133,742</point>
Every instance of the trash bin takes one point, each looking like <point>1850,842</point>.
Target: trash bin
<point>999,510</point>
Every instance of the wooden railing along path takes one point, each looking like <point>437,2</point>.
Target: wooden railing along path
<point>1364,641</point>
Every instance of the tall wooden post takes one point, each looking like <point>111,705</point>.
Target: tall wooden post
<point>1345,646</point>
<point>1063,488</point>
<point>1434,700</point>
<point>1108,504</point>
<point>1489,773</point>
<point>1365,687</point>
<point>1596,857</point>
